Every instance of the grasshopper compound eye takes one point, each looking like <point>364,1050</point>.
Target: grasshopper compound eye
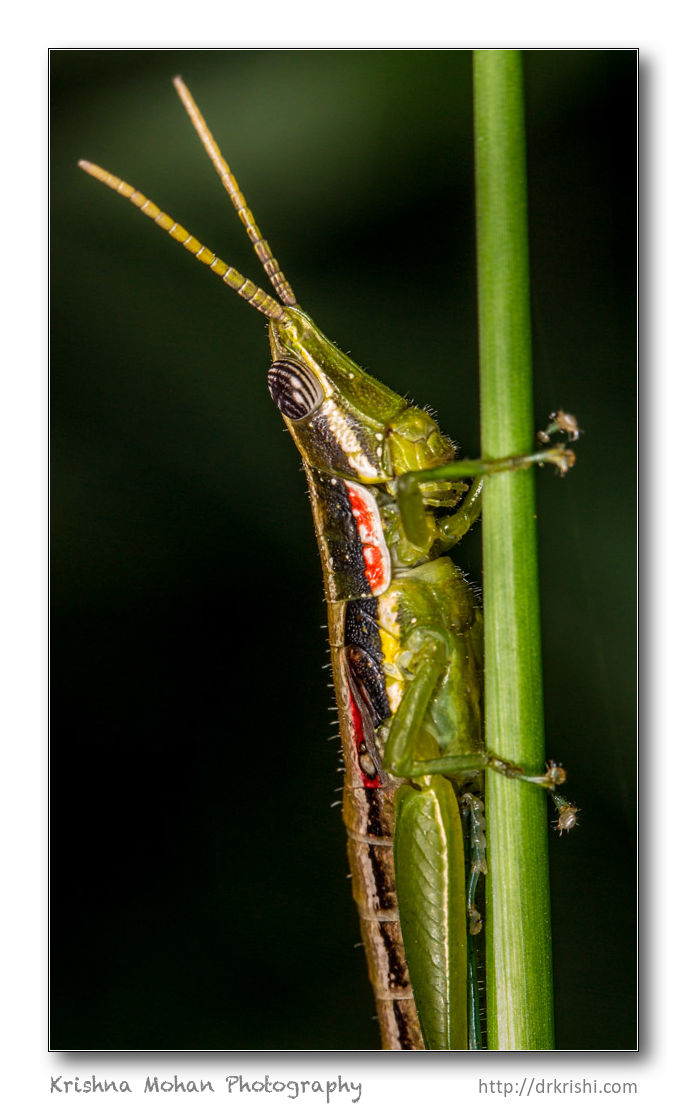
<point>294,389</point>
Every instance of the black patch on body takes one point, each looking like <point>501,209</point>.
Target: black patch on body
<point>385,888</point>
<point>405,1034</point>
<point>342,551</point>
<point>363,648</point>
<point>375,826</point>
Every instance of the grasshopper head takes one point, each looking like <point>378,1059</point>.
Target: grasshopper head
<point>341,418</point>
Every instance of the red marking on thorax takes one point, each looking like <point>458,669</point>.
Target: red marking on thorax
<point>371,533</point>
<point>359,733</point>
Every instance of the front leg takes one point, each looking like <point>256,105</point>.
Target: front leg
<point>451,528</point>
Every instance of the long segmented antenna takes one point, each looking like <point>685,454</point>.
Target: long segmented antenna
<point>260,244</point>
<point>245,288</point>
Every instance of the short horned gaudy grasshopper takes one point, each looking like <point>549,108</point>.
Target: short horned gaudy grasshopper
<point>389,500</point>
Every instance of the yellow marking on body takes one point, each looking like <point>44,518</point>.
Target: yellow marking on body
<point>390,641</point>
<point>390,646</point>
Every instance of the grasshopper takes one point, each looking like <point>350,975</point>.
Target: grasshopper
<point>405,628</point>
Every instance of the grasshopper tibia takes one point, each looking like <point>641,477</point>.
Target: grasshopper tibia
<point>472,809</point>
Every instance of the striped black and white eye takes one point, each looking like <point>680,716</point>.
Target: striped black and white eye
<point>294,389</point>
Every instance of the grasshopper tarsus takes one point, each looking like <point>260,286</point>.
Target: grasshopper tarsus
<point>567,814</point>
<point>474,921</point>
<point>563,423</point>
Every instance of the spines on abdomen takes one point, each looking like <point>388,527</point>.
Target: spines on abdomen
<point>356,569</point>
<point>371,858</point>
<point>368,812</point>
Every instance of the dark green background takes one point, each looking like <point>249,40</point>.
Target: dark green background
<point>198,871</point>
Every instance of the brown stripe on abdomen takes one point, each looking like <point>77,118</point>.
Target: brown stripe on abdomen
<point>371,859</point>
<point>368,814</point>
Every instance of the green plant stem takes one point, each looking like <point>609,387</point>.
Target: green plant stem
<point>519,982</point>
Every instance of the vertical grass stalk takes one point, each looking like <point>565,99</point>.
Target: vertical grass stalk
<point>519,983</point>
